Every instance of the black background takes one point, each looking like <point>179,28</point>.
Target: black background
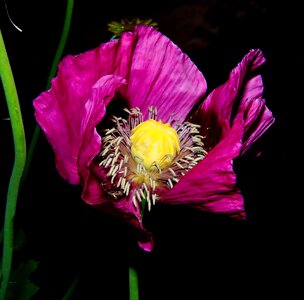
<point>197,255</point>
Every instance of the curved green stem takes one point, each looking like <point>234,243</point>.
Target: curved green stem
<point>57,57</point>
<point>133,284</point>
<point>63,39</point>
<point>20,157</point>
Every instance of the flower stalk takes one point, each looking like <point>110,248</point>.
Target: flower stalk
<point>18,167</point>
<point>133,284</point>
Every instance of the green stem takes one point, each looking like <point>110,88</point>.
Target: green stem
<point>71,289</point>
<point>20,157</point>
<point>133,284</point>
<point>57,57</point>
<point>63,39</point>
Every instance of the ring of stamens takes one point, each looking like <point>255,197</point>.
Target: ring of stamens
<point>128,175</point>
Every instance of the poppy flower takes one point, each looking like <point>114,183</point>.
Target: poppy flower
<point>131,123</point>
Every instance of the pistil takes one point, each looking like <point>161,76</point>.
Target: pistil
<point>148,156</point>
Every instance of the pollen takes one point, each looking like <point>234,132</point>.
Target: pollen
<point>144,158</point>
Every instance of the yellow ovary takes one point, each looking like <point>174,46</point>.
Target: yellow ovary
<point>153,141</point>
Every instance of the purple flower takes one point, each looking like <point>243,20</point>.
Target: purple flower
<point>117,162</point>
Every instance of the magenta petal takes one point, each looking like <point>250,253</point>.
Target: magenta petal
<point>102,93</point>
<point>122,208</point>
<point>217,112</point>
<point>70,126</point>
<point>146,244</point>
<point>171,82</point>
<point>258,118</point>
<point>60,111</point>
<point>211,184</point>
<point>162,76</point>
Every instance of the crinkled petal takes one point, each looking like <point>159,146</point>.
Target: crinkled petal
<point>60,110</point>
<point>70,128</point>
<point>162,76</point>
<point>211,184</point>
<point>168,80</point>
<point>217,112</point>
<point>122,208</point>
<point>258,118</point>
<point>95,108</point>
<point>125,210</point>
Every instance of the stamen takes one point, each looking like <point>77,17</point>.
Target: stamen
<point>127,188</point>
<point>151,181</point>
<point>149,204</point>
<point>115,170</point>
<point>116,151</point>
<point>142,194</point>
<point>155,164</point>
<point>184,160</point>
<point>170,183</point>
<point>153,185</point>
<point>113,177</point>
<point>172,172</point>
<point>120,165</point>
<point>188,157</point>
<point>195,125</point>
<point>148,196</point>
<point>138,195</point>
<point>110,172</point>
<point>106,150</point>
<point>126,110</point>
<point>123,183</point>
<point>125,172</point>
<point>132,172</point>
<point>145,187</point>
<point>179,165</point>
<point>109,131</point>
<point>134,201</point>
<point>153,199</point>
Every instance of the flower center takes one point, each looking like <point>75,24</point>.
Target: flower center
<point>144,158</point>
<point>154,142</point>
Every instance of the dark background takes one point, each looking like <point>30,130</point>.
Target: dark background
<point>197,255</point>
